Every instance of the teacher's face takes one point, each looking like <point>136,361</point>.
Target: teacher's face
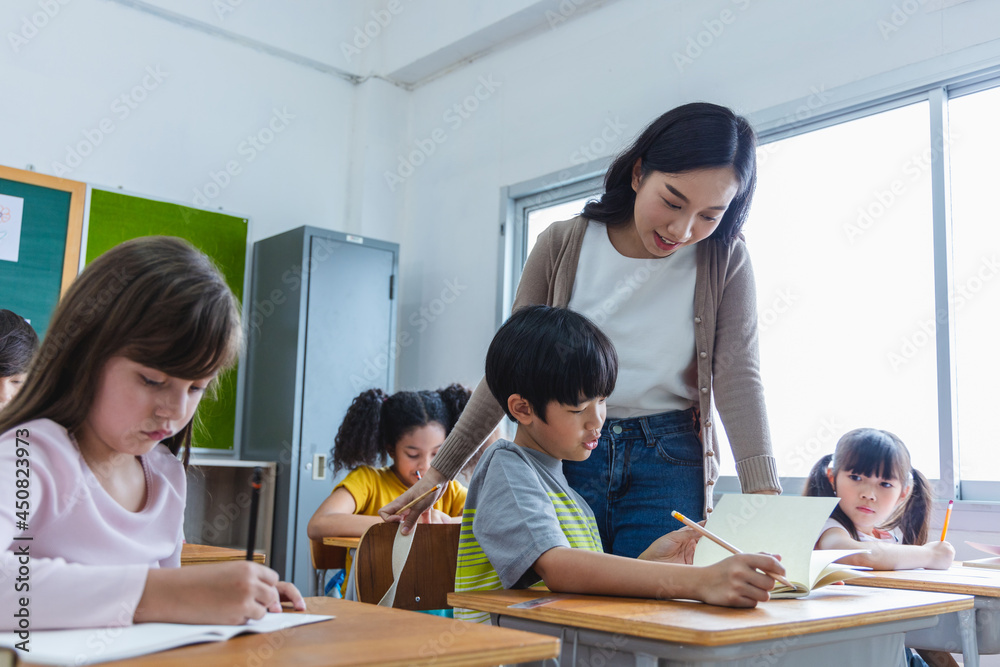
<point>675,210</point>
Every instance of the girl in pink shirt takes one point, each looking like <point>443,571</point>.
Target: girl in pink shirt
<point>91,487</point>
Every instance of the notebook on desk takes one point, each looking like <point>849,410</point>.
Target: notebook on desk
<point>784,525</point>
<point>987,563</point>
<point>87,646</point>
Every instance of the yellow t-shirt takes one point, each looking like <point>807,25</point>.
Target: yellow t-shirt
<point>374,488</point>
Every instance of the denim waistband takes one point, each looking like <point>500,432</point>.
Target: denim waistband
<point>662,423</point>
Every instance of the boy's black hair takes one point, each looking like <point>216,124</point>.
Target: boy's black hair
<point>550,354</point>
<point>18,342</point>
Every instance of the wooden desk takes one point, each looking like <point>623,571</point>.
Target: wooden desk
<point>196,554</point>
<point>349,542</point>
<point>834,626</point>
<point>363,634</point>
<point>950,635</point>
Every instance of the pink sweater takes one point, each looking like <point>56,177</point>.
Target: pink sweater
<point>88,555</point>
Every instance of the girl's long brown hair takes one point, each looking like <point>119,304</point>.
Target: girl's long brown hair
<point>156,300</point>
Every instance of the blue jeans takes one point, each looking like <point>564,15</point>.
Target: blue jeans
<point>643,468</point>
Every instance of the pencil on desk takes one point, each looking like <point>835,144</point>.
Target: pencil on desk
<point>721,542</point>
<point>416,500</point>
<point>947,518</point>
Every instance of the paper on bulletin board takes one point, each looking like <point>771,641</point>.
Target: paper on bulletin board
<point>11,209</point>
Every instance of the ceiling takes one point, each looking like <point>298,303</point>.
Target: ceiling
<point>401,41</point>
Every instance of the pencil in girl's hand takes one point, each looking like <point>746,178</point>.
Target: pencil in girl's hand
<point>947,518</point>
<point>416,500</point>
<point>721,542</point>
<point>255,484</point>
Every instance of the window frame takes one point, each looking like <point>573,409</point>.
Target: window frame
<point>946,78</point>
<point>519,200</point>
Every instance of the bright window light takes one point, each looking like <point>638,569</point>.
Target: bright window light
<point>974,145</point>
<point>541,218</point>
<point>841,242</point>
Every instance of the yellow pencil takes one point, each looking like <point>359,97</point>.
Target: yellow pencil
<point>947,518</point>
<point>721,542</point>
<point>419,498</point>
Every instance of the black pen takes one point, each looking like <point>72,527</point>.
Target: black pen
<point>254,501</point>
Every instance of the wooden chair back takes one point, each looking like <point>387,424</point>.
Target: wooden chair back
<point>324,557</point>
<point>429,574</point>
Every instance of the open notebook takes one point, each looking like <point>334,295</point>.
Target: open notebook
<point>784,525</point>
<point>84,647</point>
<point>989,563</point>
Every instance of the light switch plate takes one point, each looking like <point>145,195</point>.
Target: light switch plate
<point>319,467</point>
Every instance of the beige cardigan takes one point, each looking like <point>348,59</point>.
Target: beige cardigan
<point>725,322</point>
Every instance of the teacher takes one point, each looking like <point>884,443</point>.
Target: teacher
<point>660,265</point>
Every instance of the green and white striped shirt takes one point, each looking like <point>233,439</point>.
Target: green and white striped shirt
<point>519,506</point>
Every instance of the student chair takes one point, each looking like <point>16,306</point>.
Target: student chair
<point>427,577</point>
<point>324,557</point>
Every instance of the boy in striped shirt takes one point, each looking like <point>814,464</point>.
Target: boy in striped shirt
<point>551,369</point>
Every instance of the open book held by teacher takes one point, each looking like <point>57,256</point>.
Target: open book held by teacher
<point>785,525</point>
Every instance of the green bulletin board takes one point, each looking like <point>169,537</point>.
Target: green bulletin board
<point>116,217</point>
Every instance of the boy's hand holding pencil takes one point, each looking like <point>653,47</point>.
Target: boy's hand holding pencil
<point>742,580</point>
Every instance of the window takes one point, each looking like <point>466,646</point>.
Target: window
<point>533,206</point>
<point>974,144</point>
<point>877,259</point>
<point>540,218</point>
<point>843,257</point>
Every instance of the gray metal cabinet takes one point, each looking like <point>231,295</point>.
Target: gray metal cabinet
<point>322,322</point>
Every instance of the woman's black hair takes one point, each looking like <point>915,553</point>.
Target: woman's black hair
<point>550,354</point>
<point>18,343</point>
<point>376,421</point>
<point>693,136</point>
<point>873,452</point>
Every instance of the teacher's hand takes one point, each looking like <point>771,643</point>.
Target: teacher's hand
<point>410,516</point>
<point>675,547</point>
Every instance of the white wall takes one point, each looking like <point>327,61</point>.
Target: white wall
<point>210,96</point>
<point>313,29</point>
